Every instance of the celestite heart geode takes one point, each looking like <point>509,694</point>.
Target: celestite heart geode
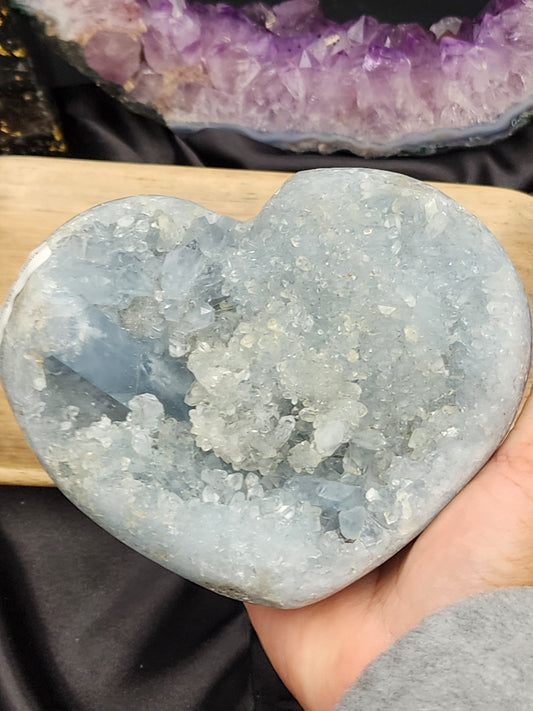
<point>270,408</point>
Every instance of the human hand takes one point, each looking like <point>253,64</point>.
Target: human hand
<point>481,541</point>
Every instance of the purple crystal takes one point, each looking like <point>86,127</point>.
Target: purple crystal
<point>114,55</point>
<point>289,76</point>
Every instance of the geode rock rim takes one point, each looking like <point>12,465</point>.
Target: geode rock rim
<point>292,78</point>
<point>218,542</point>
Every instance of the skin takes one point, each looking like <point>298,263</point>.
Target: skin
<point>481,541</point>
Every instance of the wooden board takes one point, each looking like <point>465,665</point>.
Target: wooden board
<point>39,194</point>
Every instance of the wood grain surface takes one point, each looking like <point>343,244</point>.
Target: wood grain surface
<point>38,194</point>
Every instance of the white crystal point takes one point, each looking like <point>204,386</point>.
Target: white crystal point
<point>270,408</point>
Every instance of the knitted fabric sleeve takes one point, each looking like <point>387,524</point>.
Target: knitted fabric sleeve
<point>475,655</point>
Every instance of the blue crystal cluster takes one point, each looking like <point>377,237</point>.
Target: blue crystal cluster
<point>272,407</point>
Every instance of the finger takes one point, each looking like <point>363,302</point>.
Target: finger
<point>485,535</point>
<point>515,455</point>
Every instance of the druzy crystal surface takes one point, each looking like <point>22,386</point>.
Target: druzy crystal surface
<point>273,407</point>
<point>289,76</point>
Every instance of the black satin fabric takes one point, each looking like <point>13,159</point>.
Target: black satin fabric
<point>87,624</point>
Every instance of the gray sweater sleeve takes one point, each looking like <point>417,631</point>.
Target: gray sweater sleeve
<point>475,655</point>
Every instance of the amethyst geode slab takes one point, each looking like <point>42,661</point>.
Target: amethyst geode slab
<point>288,76</point>
<point>270,408</point>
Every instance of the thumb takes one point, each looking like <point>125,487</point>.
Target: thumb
<point>489,525</point>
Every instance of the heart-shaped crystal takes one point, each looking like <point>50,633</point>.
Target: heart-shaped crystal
<point>270,408</point>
